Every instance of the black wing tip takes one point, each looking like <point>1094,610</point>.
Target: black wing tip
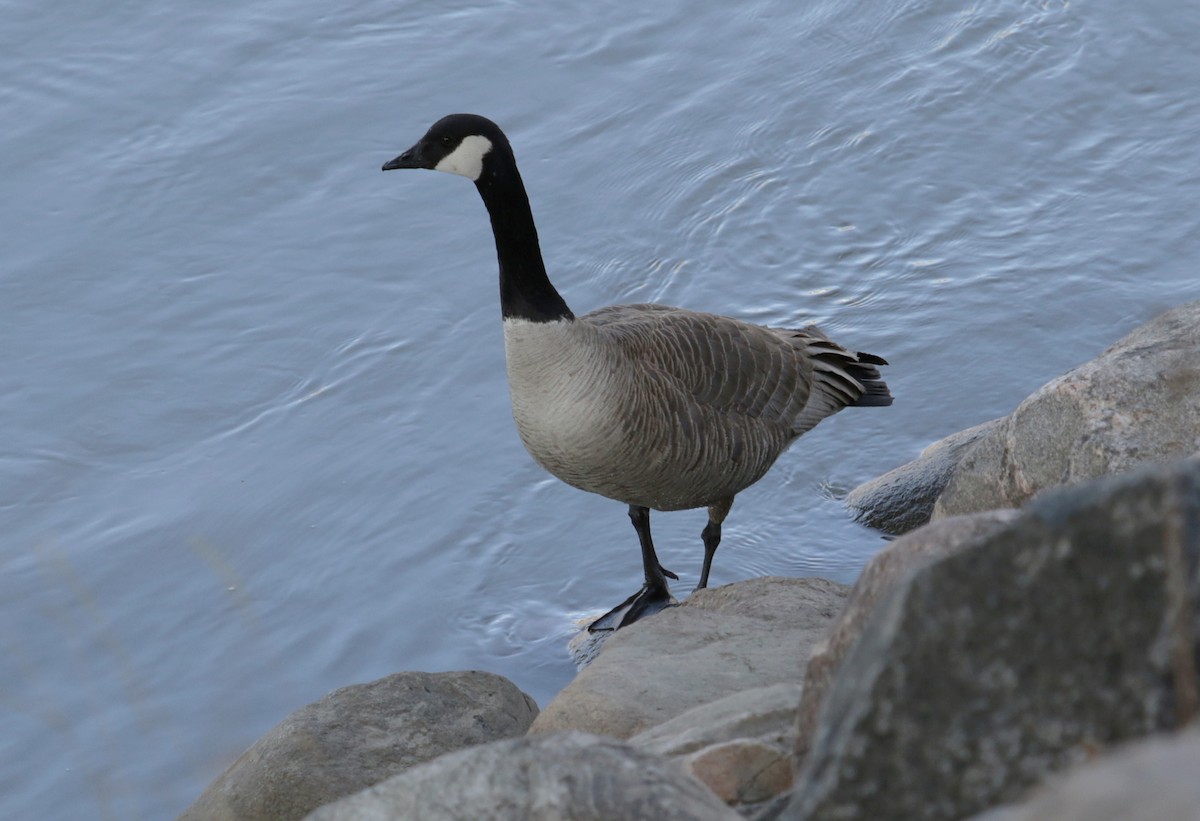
<point>875,394</point>
<point>875,391</point>
<point>868,400</point>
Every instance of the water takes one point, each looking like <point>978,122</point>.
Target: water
<point>258,443</point>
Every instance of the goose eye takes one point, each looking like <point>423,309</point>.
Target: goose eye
<point>445,141</point>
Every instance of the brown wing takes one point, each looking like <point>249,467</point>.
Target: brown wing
<point>793,378</point>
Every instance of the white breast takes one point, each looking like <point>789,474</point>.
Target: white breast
<point>559,386</point>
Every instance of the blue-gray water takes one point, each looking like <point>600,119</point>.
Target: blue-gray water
<point>257,442</point>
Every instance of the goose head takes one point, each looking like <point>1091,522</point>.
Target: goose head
<point>474,147</point>
<point>464,144</point>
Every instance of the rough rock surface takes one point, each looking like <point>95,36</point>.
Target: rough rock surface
<point>359,735</point>
<point>742,772</point>
<point>883,572</point>
<point>758,712</point>
<point>555,777</point>
<point>740,746</point>
<point>1067,630</point>
<point>1152,780</point>
<point>902,499</point>
<point>720,641</point>
<point>1139,401</point>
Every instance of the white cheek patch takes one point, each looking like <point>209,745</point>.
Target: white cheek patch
<point>467,159</point>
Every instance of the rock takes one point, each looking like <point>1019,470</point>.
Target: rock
<point>720,641</point>
<point>555,777</point>
<point>1152,780</point>
<point>1069,629</point>
<point>759,712</point>
<point>743,771</point>
<point>882,573</point>
<point>902,499</point>
<point>740,746</point>
<point>584,646</point>
<point>359,735</point>
<point>1139,401</point>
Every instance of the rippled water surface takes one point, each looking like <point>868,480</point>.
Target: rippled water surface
<point>257,438</point>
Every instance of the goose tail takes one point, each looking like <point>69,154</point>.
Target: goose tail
<point>840,378</point>
<point>864,370</point>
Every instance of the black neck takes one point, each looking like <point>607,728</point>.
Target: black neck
<point>525,289</point>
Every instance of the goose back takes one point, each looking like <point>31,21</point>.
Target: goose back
<point>668,408</point>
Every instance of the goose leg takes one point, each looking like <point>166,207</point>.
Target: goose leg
<point>654,596</point>
<point>711,536</point>
<point>656,576</point>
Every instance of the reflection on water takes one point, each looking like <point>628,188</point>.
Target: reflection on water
<point>258,439</point>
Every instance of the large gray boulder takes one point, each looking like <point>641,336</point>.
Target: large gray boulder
<point>1139,401</point>
<point>558,777</point>
<point>1152,780</point>
<point>720,641</point>
<point>1069,629</point>
<point>359,735</point>
<point>885,570</point>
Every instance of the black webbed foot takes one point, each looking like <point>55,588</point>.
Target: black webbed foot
<point>654,595</point>
<point>645,602</point>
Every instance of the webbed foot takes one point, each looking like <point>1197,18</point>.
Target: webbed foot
<point>645,602</point>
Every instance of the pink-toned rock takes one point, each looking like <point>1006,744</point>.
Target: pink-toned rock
<point>742,771</point>
<point>740,746</point>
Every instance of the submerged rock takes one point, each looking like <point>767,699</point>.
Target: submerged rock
<point>1064,631</point>
<point>358,736</point>
<point>902,499</point>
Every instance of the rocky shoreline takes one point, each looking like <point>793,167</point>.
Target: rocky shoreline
<point>1026,649</point>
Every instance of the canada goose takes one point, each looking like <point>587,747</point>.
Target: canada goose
<point>653,406</point>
